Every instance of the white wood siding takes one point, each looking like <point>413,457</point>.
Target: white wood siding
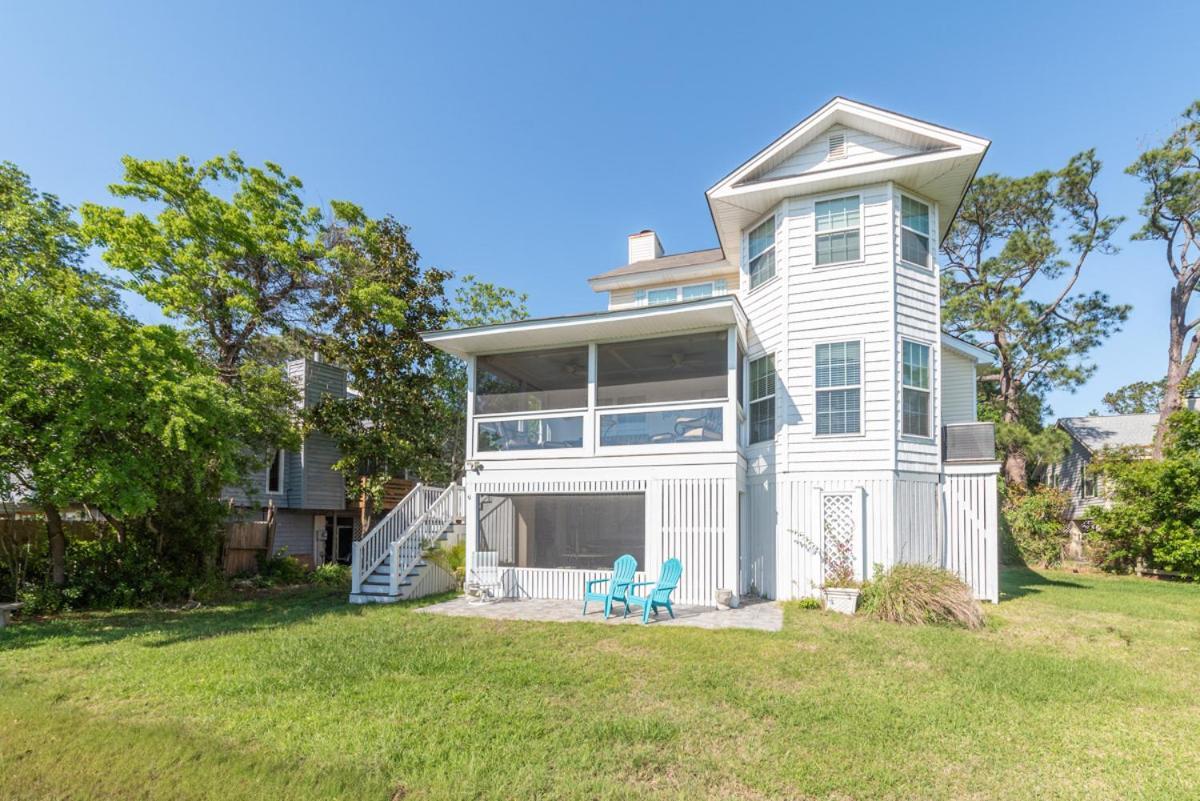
<point>918,318</point>
<point>917,518</point>
<point>958,388</point>
<point>861,148</point>
<point>759,538</point>
<point>838,303</point>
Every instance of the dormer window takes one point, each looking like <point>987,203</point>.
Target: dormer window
<point>914,232</point>
<point>762,253</point>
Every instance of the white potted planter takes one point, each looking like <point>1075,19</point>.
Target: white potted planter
<point>841,599</point>
<point>726,600</point>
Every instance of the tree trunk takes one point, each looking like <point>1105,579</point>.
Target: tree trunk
<point>1179,364</point>
<point>1015,463</point>
<point>58,545</point>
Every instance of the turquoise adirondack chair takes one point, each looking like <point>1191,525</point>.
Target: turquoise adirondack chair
<point>660,596</point>
<point>618,585</point>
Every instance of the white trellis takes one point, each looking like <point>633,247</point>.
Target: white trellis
<point>842,536</point>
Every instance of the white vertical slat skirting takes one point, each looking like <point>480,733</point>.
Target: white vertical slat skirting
<point>970,529</point>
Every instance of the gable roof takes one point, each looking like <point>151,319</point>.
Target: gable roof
<point>1111,431</point>
<point>935,161</point>
<point>712,259</point>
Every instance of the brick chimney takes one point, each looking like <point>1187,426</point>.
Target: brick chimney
<point>644,245</point>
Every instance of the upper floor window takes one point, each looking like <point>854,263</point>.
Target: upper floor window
<point>1091,485</point>
<point>663,370</point>
<point>914,231</point>
<point>839,388</point>
<point>275,473</point>
<point>532,380</point>
<point>838,234</point>
<point>916,382</point>
<point>762,253</point>
<point>675,294</point>
<point>762,399</point>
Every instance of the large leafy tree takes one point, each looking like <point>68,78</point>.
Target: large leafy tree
<point>1143,397</point>
<point>232,249</point>
<point>1016,253</point>
<point>1171,208</point>
<point>377,300</point>
<point>96,407</point>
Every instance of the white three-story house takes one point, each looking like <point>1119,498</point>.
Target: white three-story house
<point>748,407</point>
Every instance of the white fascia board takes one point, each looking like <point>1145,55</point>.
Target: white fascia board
<point>978,354</point>
<point>665,275</point>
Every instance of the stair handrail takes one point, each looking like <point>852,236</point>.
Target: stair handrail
<point>373,548</point>
<point>408,549</point>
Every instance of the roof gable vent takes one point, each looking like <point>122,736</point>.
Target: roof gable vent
<point>837,146</point>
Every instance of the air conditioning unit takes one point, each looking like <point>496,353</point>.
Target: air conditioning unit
<point>969,442</point>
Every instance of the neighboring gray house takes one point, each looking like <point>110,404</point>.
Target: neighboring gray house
<point>1089,437</point>
<point>313,520</point>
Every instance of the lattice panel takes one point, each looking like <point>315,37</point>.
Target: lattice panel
<point>840,532</point>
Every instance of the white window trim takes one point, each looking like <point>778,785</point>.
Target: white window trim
<point>862,245</point>
<point>774,249</point>
<point>282,474</point>
<point>929,391</point>
<point>929,236</point>
<point>860,386</point>
<point>750,400</point>
<point>642,296</point>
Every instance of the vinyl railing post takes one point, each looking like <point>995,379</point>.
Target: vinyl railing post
<point>356,568</point>
<point>394,577</point>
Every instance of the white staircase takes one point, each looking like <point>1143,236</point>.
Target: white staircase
<point>389,564</point>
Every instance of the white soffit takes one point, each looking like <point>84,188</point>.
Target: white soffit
<point>651,321</point>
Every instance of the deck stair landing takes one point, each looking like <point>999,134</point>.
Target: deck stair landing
<point>389,563</point>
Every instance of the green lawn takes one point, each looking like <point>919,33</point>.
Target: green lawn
<point>1082,687</point>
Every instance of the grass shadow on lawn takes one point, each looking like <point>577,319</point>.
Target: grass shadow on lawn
<point>1018,581</point>
<point>164,627</point>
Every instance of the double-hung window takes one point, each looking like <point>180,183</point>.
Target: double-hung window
<point>762,253</point>
<point>275,473</point>
<point>837,227</point>
<point>762,399</point>
<point>839,388</point>
<point>914,232</point>
<point>916,382</point>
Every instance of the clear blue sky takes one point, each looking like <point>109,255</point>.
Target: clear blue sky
<point>522,142</point>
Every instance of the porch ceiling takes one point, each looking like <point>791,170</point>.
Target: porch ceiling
<point>670,318</point>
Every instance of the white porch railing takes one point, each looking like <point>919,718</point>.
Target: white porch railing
<point>405,531</point>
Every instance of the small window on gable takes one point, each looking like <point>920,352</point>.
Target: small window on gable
<point>914,232</point>
<point>697,291</point>
<point>762,253</point>
<point>837,146</point>
<point>837,226</point>
<point>275,473</point>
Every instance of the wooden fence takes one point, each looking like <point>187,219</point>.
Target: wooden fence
<point>246,541</point>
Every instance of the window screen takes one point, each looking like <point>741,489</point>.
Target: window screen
<point>682,368</point>
<point>839,384</point>
<point>531,381</point>
<point>584,532</point>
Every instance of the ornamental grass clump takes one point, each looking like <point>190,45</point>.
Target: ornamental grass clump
<point>921,595</point>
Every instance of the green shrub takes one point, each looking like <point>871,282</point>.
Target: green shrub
<point>331,574</point>
<point>920,595</point>
<point>282,570</point>
<point>1033,525</point>
<point>1154,516</point>
<point>810,603</point>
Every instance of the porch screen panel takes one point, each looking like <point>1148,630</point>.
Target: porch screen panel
<point>531,381</point>
<point>663,370</point>
<point>582,532</point>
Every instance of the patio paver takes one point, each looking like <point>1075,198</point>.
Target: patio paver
<point>752,614</point>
